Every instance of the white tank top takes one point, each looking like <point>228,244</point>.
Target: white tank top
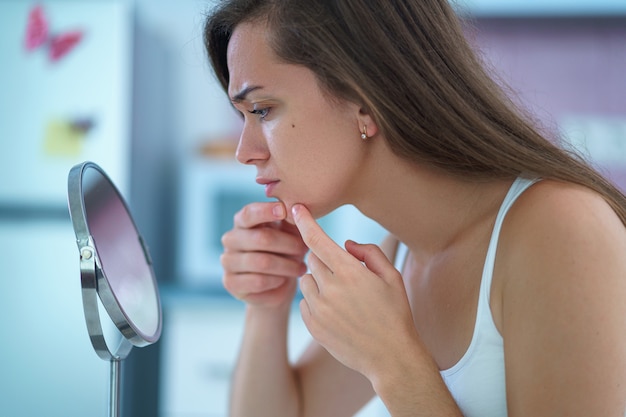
<point>477,381</point>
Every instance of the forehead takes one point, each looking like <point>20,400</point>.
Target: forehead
<point>246,39</point>
<point>249,56</point>
<point>254,66</point>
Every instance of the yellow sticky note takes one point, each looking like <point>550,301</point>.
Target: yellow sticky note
<point>63,139</point>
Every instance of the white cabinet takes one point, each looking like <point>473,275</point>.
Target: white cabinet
<point>49,368</point>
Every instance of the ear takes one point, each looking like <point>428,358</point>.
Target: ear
<point>365,119</point>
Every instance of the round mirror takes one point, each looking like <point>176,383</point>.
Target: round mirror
<point>115,270</point>
<point>114,258</point>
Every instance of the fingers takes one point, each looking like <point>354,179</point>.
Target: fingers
<point>262,263</point>
<point>256,214</point>
<point>266,239</point>
<point>309,290</point>
<point>308,286</point>
<point>255,273</point>
<point>261,290</point>
<point>260,227</point>
<point>263,255</point>
<point>242,285</point>
<point>315,238</point>
<point>316,266</point>
<point>373,258</point>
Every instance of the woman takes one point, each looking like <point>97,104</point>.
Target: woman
<point>382,104</point>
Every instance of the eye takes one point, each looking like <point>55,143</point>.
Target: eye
<point>261,112</point>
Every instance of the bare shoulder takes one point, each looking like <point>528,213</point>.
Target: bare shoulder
<point>561,198</point>
<point>560,234</point>
<point>554,221</point>
<point>562,263</point>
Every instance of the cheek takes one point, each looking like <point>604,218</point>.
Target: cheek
<point>314,158</point>
<point>293,145</point>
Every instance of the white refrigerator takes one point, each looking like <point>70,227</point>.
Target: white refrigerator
<point>64,98</point>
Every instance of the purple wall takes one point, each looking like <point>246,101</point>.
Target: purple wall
<point>570,73</point>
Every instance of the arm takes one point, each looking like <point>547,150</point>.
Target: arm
<point>263,256</point>
<point>263,383</point>
<point>564,305</point>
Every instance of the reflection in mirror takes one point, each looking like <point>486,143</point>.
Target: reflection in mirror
<point>116,270</point>
<point>122,255</point>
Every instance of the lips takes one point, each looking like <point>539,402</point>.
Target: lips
<point>269,184</point>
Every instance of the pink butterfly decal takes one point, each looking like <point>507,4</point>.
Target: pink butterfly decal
<point>36,29</point>
<point>63,43</point>
<point>38,35</point>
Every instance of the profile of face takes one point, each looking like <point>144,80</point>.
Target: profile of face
<point>305,146</point>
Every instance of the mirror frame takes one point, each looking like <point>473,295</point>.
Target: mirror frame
<point>94,282</point>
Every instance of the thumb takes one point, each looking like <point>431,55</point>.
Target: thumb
<point>373,258</point>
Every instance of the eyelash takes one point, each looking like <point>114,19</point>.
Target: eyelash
<point>262,112</point>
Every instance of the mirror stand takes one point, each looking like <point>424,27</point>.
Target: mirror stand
<point>115,272</point>
<point>114,388</point>
<point>92,310</point>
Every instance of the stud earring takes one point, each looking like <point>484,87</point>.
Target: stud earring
<point>364,132</point>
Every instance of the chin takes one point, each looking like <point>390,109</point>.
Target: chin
<point>288,205</point>
<point>316,211</point>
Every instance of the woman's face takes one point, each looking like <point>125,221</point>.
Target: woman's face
<point>306,148</point>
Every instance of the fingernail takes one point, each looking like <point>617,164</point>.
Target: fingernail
<point>295,209</point>
<point>279,211</point>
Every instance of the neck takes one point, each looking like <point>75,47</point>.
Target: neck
<point>426,209</point>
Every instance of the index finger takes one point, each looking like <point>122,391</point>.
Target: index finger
<point>315,238</point>
<point>255,214</point>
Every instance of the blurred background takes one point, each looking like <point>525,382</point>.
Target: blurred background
<point>125,84</point>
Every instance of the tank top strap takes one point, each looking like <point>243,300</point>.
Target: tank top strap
<point>477,380</point>
<point>401,253</point>
<point>517,188</point>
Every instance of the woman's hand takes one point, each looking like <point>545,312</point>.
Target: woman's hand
<point>355,303</point>
<point>263,256</point>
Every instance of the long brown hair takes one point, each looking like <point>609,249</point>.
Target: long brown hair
<point>408,63</point>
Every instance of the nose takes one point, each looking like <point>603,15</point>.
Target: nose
<point>251,148</point>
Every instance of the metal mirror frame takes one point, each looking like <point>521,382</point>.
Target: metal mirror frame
<point>94,285</point>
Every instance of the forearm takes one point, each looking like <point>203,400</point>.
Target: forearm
<point>414,388</point>
<point>263,381</point>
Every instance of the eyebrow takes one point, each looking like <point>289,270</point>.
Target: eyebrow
<point>240,96</point>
